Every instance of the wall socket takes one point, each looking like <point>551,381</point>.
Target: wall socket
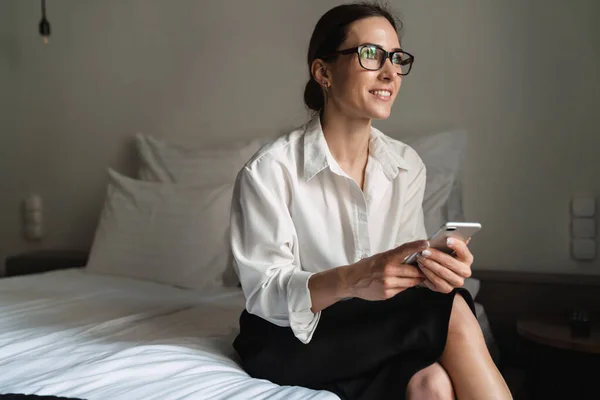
<point>583,228</point>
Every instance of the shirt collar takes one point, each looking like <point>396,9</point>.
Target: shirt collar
<point>317,156</point>
<point>383,151</point>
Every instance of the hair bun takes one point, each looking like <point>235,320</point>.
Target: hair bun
<point>313,96</point>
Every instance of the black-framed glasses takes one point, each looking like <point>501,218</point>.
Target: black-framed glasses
<point>372,57</point>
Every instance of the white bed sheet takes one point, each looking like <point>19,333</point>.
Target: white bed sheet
<point>76,334</point>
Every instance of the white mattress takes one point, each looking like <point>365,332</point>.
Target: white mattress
<point>76,334</point>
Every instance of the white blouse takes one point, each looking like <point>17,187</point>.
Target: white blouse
<point>295,213</point>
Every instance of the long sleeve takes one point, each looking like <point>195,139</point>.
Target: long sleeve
<point>413,207</point>
<point>416,203</point>
<point>265,250</point>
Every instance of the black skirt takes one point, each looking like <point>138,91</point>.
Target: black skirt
<point>360,349</point>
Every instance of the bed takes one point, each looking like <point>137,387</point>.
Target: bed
<point>77,334</point>
<point>154,313</point>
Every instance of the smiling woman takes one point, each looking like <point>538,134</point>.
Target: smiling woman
<point>322,221</point>
<point>372,30</point>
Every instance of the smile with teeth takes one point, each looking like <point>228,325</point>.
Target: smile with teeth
<point>382,93</point>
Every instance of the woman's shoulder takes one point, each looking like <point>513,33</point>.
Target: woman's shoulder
<point>279,152</point>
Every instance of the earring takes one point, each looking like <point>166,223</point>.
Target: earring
<point>326,91</point>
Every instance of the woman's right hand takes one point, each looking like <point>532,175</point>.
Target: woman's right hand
<point>384,275</point>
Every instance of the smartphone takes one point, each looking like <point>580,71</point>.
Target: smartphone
<point>458,230</point>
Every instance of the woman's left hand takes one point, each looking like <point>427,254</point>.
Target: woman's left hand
<point>443,271</point>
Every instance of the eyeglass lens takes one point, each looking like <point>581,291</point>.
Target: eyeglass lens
<point>373,58</point>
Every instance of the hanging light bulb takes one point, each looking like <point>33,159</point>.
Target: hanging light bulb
<point>44,24</point>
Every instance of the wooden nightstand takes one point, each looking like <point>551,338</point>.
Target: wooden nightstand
<point>37,262</point>
<point>560,366</point>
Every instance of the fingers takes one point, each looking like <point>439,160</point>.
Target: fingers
<point>402,271</point>
<point>440,271</point>
<point>430,285</point>
<point>401,252</point>
<point>393,282</point>
<point>449,262</point>
<point>436,283</point>
<point>461,250</point>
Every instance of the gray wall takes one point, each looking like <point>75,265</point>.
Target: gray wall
<point>521,76</point>
<point>9,186</point>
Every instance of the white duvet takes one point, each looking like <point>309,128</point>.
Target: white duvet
<point>77,334</point>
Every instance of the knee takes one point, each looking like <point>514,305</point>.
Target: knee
<point>430,386</point>
<point>463,323</point>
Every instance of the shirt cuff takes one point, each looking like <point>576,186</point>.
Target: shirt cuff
<point>302,320</point>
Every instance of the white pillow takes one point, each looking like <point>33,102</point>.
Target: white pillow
<point>161,161</point>
<point>166,233</point>
<point>441,152</point>
<point>168,162</point>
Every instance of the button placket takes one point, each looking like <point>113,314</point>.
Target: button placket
<point>363,247</point>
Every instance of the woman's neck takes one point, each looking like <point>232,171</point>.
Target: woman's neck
<point>347,138</point>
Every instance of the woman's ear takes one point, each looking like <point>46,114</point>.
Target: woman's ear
<point>321,73</point>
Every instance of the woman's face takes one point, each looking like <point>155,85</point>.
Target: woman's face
<point>358,92</point>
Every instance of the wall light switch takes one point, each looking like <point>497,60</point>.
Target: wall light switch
<point>583,249</point>
<point>583,228</point>
<point>583,206</point>
<point>33,218</point>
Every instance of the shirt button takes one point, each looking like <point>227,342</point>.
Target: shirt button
<point>363,256</point>
<point>362,216</point>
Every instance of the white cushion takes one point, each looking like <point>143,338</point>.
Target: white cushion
<point>441,152</point>
<point>166,233</point>
<point>161,161</point>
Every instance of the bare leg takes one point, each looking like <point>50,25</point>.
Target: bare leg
<point>467,360</point>
<point>431,383</point>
